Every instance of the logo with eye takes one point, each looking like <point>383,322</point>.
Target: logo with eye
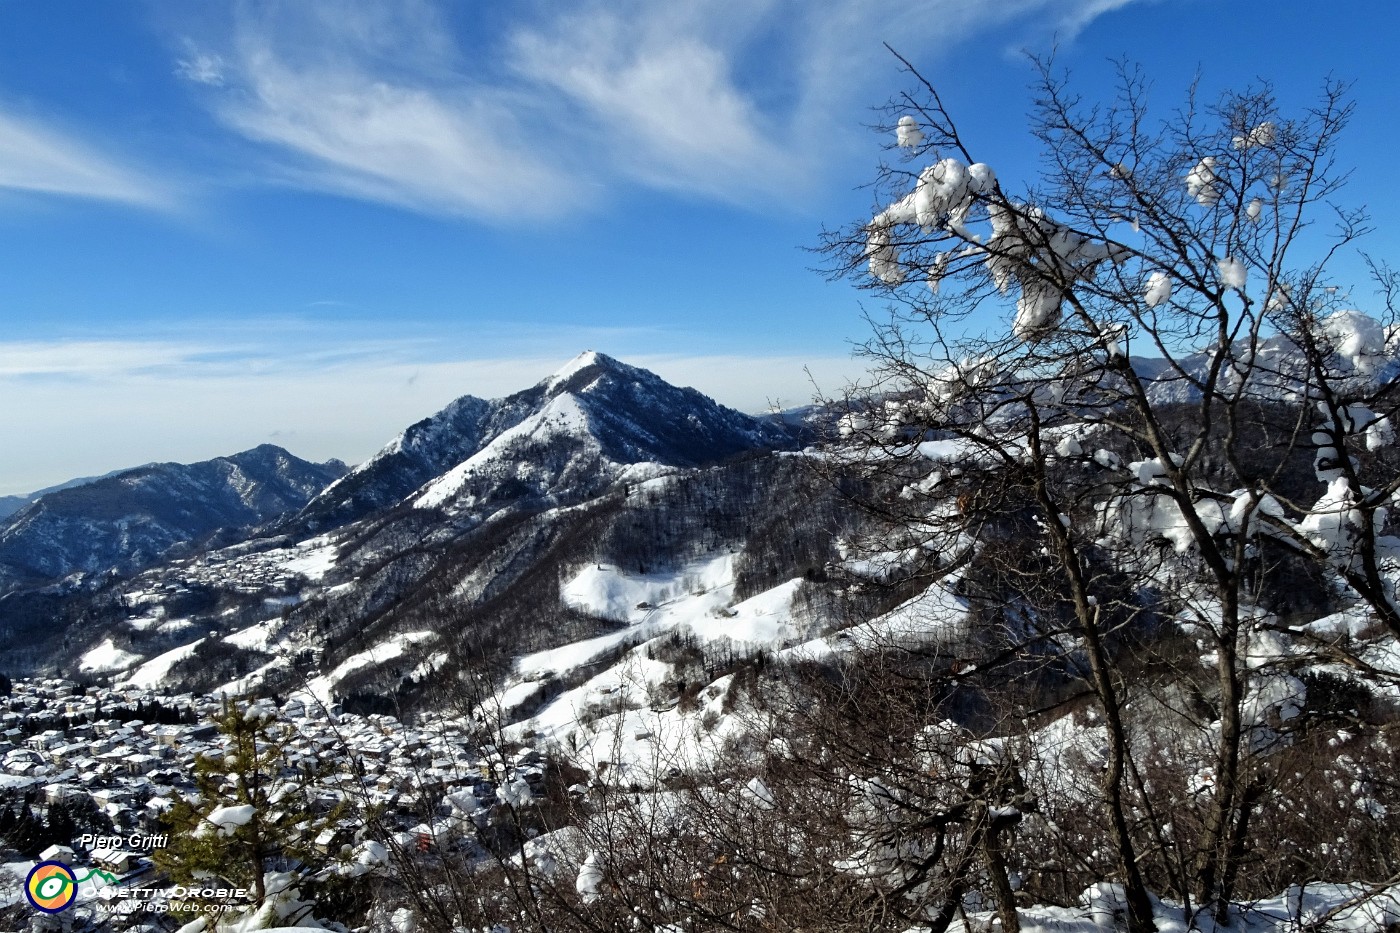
<point>51,887</point>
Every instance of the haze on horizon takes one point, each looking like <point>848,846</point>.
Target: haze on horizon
<point>312,223</point>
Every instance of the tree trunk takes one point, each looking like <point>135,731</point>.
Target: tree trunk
<point>996,872</point>
<point>1215,858</point>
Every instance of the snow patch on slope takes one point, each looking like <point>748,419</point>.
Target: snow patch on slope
<point>314,558</point>
<point>107,657</point>
<point>320,688</point>
<point>936,614</point>
<point>570,369</point>
<point>563,415</point>
<point>609,592</point>
<point>152,674</point>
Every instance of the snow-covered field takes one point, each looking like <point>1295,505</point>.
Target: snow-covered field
<point>151,675</point>
<point>105,657</point>
<point>320,689</point>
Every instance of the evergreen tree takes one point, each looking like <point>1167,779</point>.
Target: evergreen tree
<point>254,811</point>
<point>28,835</point>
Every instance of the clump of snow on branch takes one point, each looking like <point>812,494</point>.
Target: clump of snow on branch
<point>590,879</point>
<point>227,819</point>
<point>1357,338</point>
<point>907,133</point>
<point>1203,183</point>
<point>1044,257</point>
<point>1158,290</point>
<point>1335,524</point>
<point>515,793</point>
<point>883,254</point>
<point>1037,310</point>
<point>1025,246</point>
<point>1233,273</point>
<point>1261,137</point>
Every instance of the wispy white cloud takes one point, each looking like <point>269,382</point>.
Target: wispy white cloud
<point>399,144</point>
<point>1083,12</point>
<point>371,101</point>
<point>665,106</point>
<point>200,66</point>
<point>91,358</point>
<point>533,114</point>
<point>38,158</point>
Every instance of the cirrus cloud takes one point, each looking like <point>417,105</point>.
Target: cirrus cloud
<point>40,159</point>
<point>536,111</point>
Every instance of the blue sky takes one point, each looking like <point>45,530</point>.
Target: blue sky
<point>312,223</point>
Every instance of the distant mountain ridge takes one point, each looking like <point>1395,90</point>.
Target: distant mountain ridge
<point>9,505</point>
<point>131,517</point>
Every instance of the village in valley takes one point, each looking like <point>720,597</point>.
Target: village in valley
<point>90,754</point>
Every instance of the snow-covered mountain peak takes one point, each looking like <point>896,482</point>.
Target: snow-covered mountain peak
<point>564,438</point>
<point>584,369</point>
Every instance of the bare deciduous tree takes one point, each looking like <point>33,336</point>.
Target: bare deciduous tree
<point>1175,349</point>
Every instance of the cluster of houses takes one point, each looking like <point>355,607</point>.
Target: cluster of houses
<point>427,785</point>
<point>254,567</point>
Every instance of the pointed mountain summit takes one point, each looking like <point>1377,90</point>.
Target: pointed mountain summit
<point>567,435</point>
<point>636,416</point>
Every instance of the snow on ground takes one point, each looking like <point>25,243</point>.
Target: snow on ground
<point>320,688</point>
<point>936,614</point>
<point>428,665</point>
<point>1063,752</point>
<point>107,657</point>
<point>1350,622</point>
<point>647,476</point>
<point>1380,652</point>
<point>634,745</point>
<point>507,701</point>
<point>764,619</point>
<point>563,415</point>
<point>626,683</point>
<point>1338,908</point>
<point>152,674</point>
<point>254,637</point>
<point>609,592</point>
<point>641,745</point>
<point>697,599</point>
<point>12,875</point>
<point>576,365</point>
<point>690,596</point>
<point>561,850</point>
<point>577,654</point>
<point>312,558</point>
<point>252,680</point>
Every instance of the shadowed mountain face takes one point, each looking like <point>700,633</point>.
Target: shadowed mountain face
<point>9,505</point>
<point>129,519</point>
<point>553,441</point>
